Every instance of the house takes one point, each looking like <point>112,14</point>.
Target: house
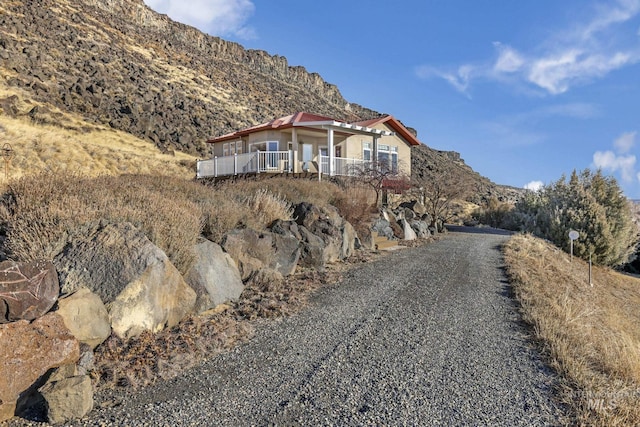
<point>305,143</point>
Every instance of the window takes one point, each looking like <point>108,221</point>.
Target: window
<point>263,146</point>
<point>366,151</point>
<point>324,151</point>
<point>225,149</point>
<point>394,159</point>
<point>239,147</point>
<point>388,157</point>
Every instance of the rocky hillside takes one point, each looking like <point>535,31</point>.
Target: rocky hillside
<point>119,64</point>
<point>427,162</point>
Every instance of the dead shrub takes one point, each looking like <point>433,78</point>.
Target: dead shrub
<point>355,205</point>
<point>142,360</point>
<point>265,207</point>
<point>43,211</point>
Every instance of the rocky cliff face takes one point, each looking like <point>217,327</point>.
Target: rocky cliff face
<point>117,62</point>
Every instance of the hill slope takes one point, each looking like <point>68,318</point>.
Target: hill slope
<point>119,63</point>
<point>95,65</point>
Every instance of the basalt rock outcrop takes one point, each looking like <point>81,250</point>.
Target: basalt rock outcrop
<point>117,62</point>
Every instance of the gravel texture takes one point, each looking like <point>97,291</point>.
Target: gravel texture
<point>422,336</point>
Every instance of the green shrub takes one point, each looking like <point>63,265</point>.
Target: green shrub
<point>589,203</point>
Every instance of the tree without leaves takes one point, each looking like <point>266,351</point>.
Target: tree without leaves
<point>440,190</point>
<point>378,174</point>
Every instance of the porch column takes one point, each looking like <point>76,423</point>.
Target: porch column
<point>330,149</point>
<point>294,143</point>
<point>374,155</point>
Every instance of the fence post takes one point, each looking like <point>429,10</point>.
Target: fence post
<point>258,153</point>
<point>215,166</point>
<point>235,163</point>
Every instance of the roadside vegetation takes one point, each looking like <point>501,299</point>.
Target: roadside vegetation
<point>590,334</point>
<point>40,213</point>
<point>588,202</point>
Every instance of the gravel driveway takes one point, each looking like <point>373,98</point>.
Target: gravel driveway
<point>424,336</point>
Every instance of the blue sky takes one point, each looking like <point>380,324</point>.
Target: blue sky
<point>524,90</point>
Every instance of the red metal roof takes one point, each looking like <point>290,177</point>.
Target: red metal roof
<point>395,125</point>
<point>302,117</point>
<point>279,123</point>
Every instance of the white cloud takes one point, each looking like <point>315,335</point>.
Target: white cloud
<point>509,60</point>
<point>458,79</point>
<point>557,73</point>
<point>610,161</point>
<point>216,17</point>
<point>619,161</point>
<point>534,186</point>
<point>586,51</point>
<point>625,142</point>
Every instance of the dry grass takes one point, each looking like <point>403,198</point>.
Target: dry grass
<point>356,205</point>
<point>590,333</point>
<point>55,140</point>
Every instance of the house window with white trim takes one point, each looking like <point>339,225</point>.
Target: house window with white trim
<point>238,147</point>
<point>388,157</point>
<point>225,149</point>
<point>366,151</point>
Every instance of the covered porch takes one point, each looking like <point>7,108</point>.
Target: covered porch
<point>304,147</point>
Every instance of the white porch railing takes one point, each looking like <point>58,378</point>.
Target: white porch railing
<point>238,164</point>
<point>343,166</point>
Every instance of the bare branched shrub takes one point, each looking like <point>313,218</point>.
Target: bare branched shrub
<point>356,204</point>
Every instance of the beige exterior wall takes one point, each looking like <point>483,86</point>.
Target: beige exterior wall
<point>356,147</point>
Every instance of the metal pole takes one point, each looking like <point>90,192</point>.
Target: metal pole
<point>571,250</point>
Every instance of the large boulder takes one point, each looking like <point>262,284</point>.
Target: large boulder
<point>27,290</point>
<point>417,207</point>
<point>313,250</point>
<point>409,233</point>
<point>134,278</point>
<point>214,277</point>
<point>336,233</point>
<point>68,398</point>
<point>253,251</point>
<point>28,351</point>
<point>86,317</point>
<point>421,228</point>
<point>349,237</point>
<point>157,299</point>
<point>383,228</point>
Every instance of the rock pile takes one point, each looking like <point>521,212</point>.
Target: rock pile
<point>113,280</point>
